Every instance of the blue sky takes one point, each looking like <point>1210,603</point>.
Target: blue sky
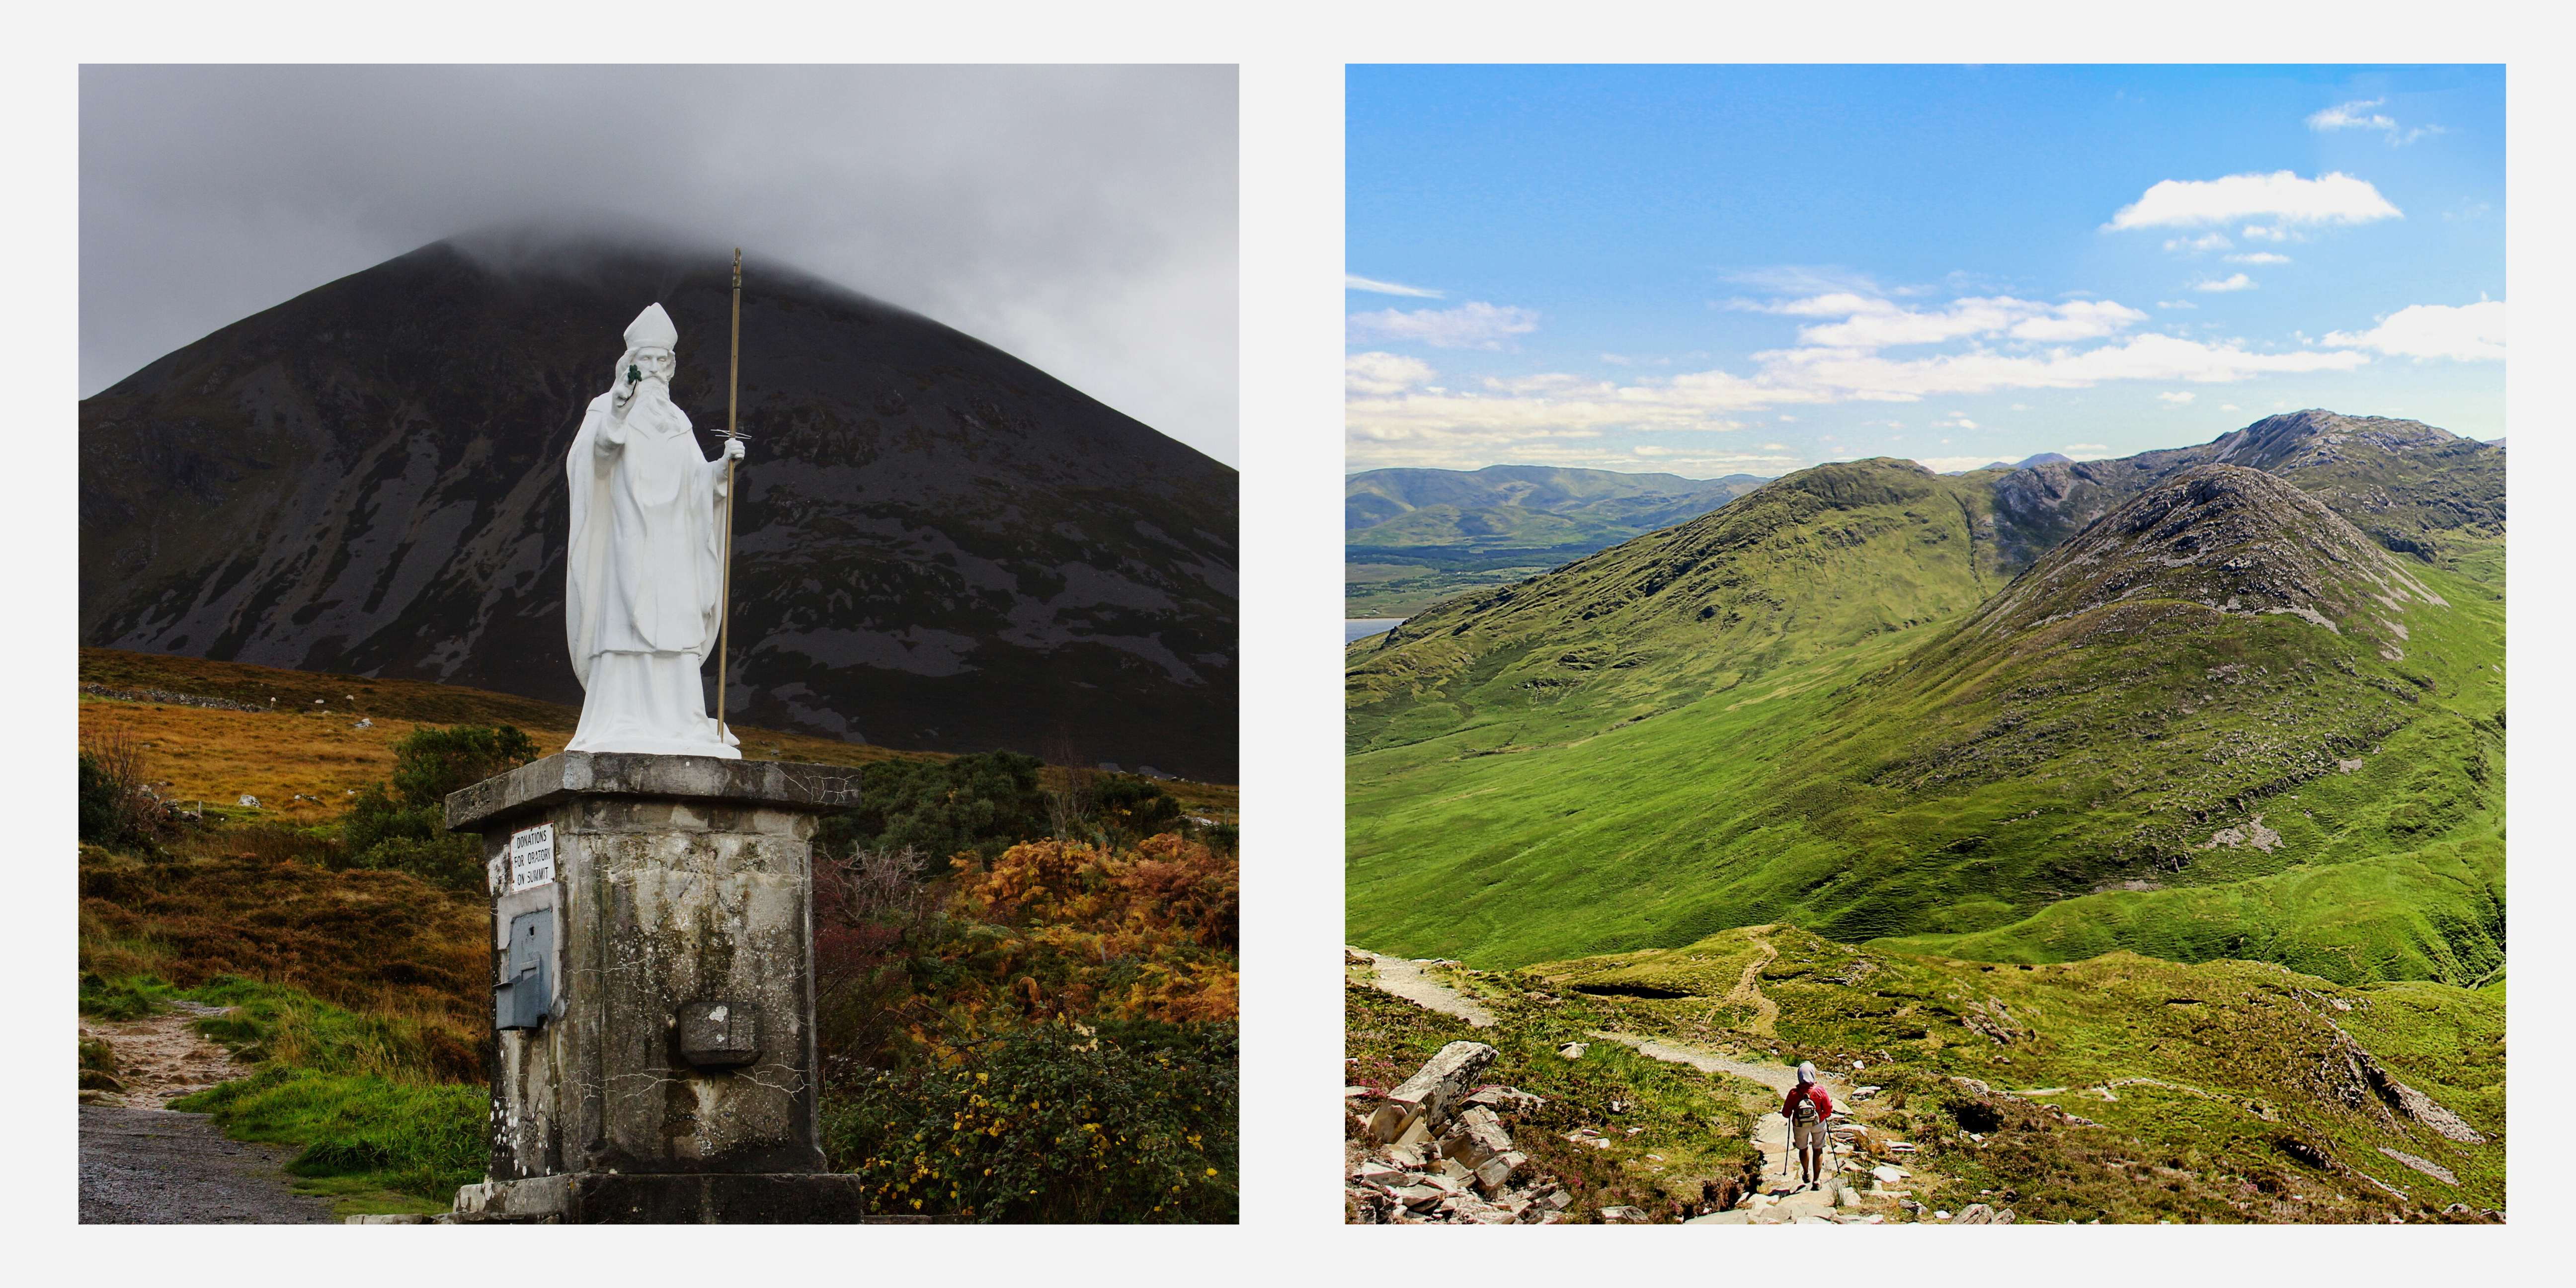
<point>1715,270</point>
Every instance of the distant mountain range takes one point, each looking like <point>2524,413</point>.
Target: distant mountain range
<point>1435,513</point>
<point>938,546</point>
<point>1413,537</point>
<point>2238,699</point>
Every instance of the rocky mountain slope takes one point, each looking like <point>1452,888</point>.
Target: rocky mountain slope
<point>2218,721</point>
<point>937,546</point>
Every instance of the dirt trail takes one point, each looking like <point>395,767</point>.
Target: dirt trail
<point>143,1163</point>
<point>159,1058</point>
<point>1406,979</point>
<point>1748,992</point>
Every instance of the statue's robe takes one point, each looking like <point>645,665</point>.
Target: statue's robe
<point>644,581</point>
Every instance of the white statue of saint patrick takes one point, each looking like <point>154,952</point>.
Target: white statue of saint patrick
<point>645,577</point>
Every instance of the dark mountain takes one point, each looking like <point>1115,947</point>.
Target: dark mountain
<point>937,545</point>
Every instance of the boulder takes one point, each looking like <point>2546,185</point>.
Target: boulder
<point>1973,1214</point>
<point>1504,1098</point>
<point>1497,1172</point>
<point>1623,1214</point>
<point>1426,1098</point>
<point>1477,1135</point>
<point>1574,1050</point>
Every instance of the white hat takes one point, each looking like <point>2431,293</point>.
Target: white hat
<point>652,329</point>
<point>1806,1071</point>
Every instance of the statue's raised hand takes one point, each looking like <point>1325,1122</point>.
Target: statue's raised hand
<point>733,449</point>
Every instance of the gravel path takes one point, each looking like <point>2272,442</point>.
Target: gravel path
<point>162,1167</point>
<point>1406,979</point>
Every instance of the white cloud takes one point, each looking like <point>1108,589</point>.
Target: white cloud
<point>2467,332</point>
<point>2176,304</point>
<point>2257,232</point>
<point>2019,407</point>
<point>2348,115</point>
<point>1355,282</point>
<point>2227,406</point>
<point>2234,282</point>
<point>1422,424</point>
<point>2334,198</point>
<point>2214,241</point>
<point>1953,464</point>
<point>1871,322</point>
<point>1473,325</point>
<point>2259,257</point>
<point>1383,373</point>
<point>2178,397</point>
<point>2072,448</point>
<point>2356,116</point>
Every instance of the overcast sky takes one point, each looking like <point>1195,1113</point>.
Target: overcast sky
<point>1081,218</point>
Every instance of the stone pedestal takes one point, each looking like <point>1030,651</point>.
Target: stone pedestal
<point>653,963</point>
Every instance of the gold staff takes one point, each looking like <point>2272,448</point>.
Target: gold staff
<point>724,606</point>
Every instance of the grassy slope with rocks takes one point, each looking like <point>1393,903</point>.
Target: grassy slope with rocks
<point>2247,1108</point>
<point>2120,1089</point>
<point>2073,792</point>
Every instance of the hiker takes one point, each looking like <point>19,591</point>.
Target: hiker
<point>1807,1107</point>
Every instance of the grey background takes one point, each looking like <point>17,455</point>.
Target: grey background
<point>1081,218</point>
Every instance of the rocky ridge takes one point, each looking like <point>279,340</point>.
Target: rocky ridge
<point>2226,537</point>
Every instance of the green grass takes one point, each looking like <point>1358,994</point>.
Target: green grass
<point>1982,801</point>
<point>362,1136</point>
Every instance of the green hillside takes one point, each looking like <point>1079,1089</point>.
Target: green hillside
<point>1781,577</point>
<point>2226,722</point>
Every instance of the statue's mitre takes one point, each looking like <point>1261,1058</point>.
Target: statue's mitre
<point>652,329</point>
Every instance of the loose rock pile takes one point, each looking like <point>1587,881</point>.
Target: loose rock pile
<point>1434,1151</point>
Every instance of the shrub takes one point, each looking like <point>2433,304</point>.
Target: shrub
<point>117,806</point>
<point>877,926</point>
<point>1053,1122</point>
<point>403,828</point>
<point>984,803</point>
<point>1131,807</point>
